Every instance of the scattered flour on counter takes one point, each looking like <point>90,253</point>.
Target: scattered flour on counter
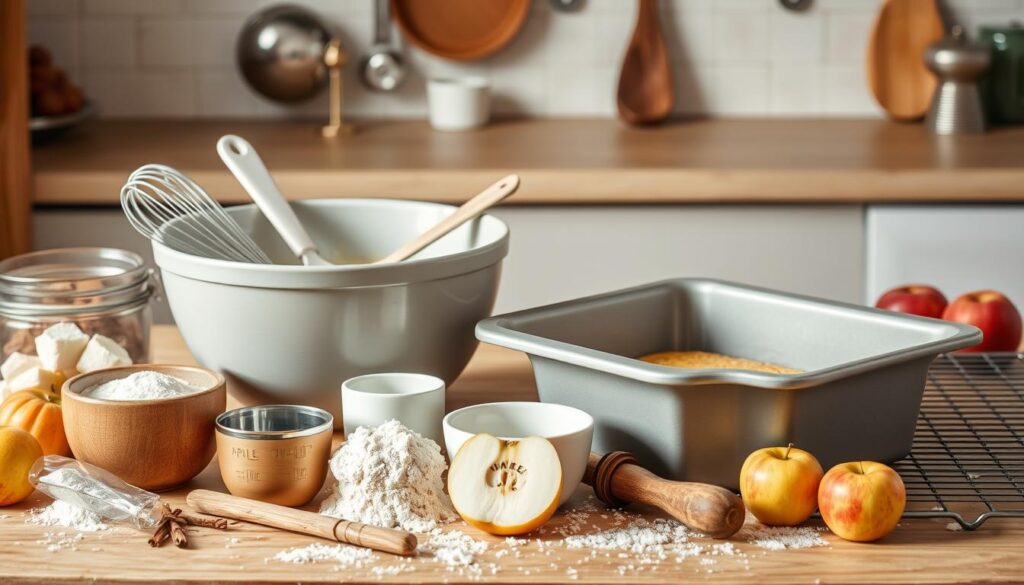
<point>389,476</point>
<point>453,548</point>
<point>638,536</point>
<point>144,385</point>
<point>56,541</point>
<point>61,513</point>
<point>954,527</point>
<point>783,537</point>
<point>343,554</point>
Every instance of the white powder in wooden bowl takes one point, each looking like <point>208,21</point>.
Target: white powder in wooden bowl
<point>144,385</point>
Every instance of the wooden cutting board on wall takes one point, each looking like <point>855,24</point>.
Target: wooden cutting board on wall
<point>15,180</point>
<point>897,75</point>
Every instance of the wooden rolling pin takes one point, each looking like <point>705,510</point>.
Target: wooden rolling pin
<point>618,479</point>
<point>382,539</point>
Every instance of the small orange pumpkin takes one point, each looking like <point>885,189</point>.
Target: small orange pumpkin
<point>38,412</point>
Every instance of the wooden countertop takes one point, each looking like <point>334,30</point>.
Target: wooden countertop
<point>561,161</point>
<point>919,551</point>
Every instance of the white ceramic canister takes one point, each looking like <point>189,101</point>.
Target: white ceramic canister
<point>459,104</point>
<point>415,400</point>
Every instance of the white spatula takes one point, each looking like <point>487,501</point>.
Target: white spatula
<point>247,166</point>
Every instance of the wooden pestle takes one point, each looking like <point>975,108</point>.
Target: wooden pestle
<point>618,479</point>
<point>383,539</point>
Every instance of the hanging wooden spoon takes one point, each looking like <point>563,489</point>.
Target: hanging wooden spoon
<point>646,94</point>
<point>897,75</point>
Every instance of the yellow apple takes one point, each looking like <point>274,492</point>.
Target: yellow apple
<point>779,485</point>
<point>505,486</point>
<point>861,500</point>
<point>18,451</point>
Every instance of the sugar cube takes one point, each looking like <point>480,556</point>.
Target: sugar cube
<point>102,352</point>
<point>36,378</point>
<point>17,363</point>
<point>60,346</point>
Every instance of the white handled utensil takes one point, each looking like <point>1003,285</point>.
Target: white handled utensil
<point>469,210</point>
<point>247,166</point>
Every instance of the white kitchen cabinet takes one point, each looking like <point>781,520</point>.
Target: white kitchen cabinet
<point>957,248</point>
<point>561,252</point>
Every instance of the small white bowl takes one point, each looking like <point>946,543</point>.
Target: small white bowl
<point>415,400</point>
<point>458,104</point>
<point>570,430</point>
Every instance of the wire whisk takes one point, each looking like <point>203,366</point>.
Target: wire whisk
<point>166,206</point>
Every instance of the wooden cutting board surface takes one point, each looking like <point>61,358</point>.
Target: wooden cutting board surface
<point>896,72</point>
<point>460,29</point>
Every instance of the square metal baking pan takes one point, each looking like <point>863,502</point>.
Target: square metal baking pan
<point>857,397</point>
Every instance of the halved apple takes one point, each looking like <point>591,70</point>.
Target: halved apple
<point>505,487</point>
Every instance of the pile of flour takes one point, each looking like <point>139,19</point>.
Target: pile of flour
<point>61,513</point>
<point>144,385</point>
<point>389,476</point>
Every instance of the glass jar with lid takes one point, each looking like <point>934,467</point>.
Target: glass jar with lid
<point>102,290</point>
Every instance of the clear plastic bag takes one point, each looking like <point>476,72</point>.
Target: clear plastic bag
<point>96,490</point>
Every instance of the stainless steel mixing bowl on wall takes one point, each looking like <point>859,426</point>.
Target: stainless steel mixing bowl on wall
<point>280,52</point>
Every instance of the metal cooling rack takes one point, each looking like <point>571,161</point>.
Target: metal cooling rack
<point>968,455</point>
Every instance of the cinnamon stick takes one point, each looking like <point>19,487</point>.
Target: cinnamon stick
<point>217,523</point>
<point>178,535</point>
<point>173,522</point>
<point>160,536</point>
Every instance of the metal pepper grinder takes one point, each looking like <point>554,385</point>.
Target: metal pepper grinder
<point>959,63</point>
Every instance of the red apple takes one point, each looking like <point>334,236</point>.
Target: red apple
<point>861,500</point>
<point>991,312</point>
<point>916,299</point>
<point>779,485</point>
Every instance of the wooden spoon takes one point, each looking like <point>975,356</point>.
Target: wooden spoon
<point>480,203</point>
<point>646,94</point>
<point>897,75</point>
<point>617,479</point>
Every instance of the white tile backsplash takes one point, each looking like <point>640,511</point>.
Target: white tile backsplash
<point>109,44</point>
<point>103,7</point>
<point>54,7</point>
<point>846,34</point>
<point>796,90</point>
<point>740,36</point>
<point>175,58</point>
<point>797,37</point>
<point>167,42</point>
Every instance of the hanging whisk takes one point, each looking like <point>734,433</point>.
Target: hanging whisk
<point>166,206</point>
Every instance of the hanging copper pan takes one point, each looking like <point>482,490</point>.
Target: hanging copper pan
<point>461,30</point>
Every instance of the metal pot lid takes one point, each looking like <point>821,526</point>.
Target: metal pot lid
<point>79,278</point>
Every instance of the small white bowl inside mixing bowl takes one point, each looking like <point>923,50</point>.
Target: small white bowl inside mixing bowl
<point>570,431</point>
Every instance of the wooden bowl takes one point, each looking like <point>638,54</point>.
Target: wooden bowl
<point>153,444</point>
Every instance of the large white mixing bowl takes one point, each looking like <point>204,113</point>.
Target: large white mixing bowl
<point>290,334</point>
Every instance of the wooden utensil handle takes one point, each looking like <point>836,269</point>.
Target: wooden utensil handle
<point>383,539</point>
<point>617,478</point>
<point>469,210</point>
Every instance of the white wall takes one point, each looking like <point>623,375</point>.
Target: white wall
<point>174,58</point>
